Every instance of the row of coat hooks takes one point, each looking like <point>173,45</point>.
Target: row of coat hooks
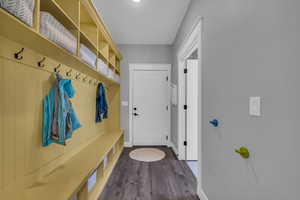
<point>41,64</point>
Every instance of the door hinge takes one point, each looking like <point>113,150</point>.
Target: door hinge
<point>167,78</point>
<point>185,70</point>
<point>167,107</point>
<point>185,143</point>
<point>185,107</point>
<point>167,138</point>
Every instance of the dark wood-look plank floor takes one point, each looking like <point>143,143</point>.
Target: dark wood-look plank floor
<point>168,179</point>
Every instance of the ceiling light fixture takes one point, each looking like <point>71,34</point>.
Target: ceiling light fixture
<point>136,1</point>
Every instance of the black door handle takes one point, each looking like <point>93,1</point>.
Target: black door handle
<point>135,114</point>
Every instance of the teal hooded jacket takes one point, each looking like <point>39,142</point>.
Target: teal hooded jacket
<point>64,117</point>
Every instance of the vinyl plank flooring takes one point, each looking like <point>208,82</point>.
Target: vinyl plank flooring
<point>168,179</point>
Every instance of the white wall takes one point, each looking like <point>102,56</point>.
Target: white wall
<point>139,54</point>
<point>250,48</point>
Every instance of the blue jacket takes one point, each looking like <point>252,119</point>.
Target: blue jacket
<point>101,104</point>
<point>65,116</point>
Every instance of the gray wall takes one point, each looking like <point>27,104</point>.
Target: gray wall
<point>139,54</point>
<point>250,48</point>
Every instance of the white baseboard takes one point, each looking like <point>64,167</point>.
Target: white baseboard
<point>127,144</point>
<point>202,195</point>
<point>172,145</point>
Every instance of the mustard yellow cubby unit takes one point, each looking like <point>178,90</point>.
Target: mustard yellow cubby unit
<point>29,171</point>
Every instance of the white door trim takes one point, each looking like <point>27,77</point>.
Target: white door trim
<point>149,67</point>
<point>192,111</point>
<point>192,42</point>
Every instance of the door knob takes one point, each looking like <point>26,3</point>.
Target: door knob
<point>135,114</point>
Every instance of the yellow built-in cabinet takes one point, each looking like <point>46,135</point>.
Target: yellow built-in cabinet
<point>29,171</point>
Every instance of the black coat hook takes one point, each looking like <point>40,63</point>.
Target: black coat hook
<point>69,73</point>
<point>77,76</point>
<point>18,56</point>
<point>41,62</point>
<point>56,69</point>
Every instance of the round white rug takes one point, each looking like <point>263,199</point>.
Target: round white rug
<point>147,154</point>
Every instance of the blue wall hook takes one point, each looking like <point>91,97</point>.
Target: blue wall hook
<point>214,122</point>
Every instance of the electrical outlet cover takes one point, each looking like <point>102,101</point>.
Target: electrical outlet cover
<point>255,106</point>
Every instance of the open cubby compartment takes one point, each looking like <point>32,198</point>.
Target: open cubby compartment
<point>102,66</point>
<point>112,58</point>
<point>70,8</point>
<point>110,156</point>
<point>116,76</point>
<point>88,27</point>
<point>88,43</point>
<point>100,172</point>
<point>102,58</point>
<point>120,143</point>
<point>104,172</point>
<point>103,47</point>
<point>117,146</point>
<point>102,61</point>
<point>84,40</point>
<point>92,180</point>
<point>94,183</point>
<point>25,12</point>
<point>59,13</point>
<point>56,11</point>
<point>105,162</point>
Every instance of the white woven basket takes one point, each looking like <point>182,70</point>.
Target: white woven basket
<point>57,33</point>
<point>22,9</point>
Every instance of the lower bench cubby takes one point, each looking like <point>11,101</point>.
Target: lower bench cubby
<point>84,176</point>
<point>95,184</point>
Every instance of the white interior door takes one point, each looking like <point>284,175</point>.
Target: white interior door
<point>150,107</point>
<point>192,110</point>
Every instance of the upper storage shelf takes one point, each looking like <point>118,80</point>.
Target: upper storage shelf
<point>63,12</point>
<point>80,18</point>
<point>88,27</point>
<point>70,8</point>
<point>103,47</point>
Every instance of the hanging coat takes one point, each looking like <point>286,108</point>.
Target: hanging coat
<point>60,119</point>
<point>101,104</point>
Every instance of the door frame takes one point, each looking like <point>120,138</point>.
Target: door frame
<point>191,101</point>
<point>147,67</point>
<point>192,42</point>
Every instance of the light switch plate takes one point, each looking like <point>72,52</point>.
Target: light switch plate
<point>255,106</point>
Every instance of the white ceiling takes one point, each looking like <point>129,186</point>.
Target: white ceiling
<point>148,22</point>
